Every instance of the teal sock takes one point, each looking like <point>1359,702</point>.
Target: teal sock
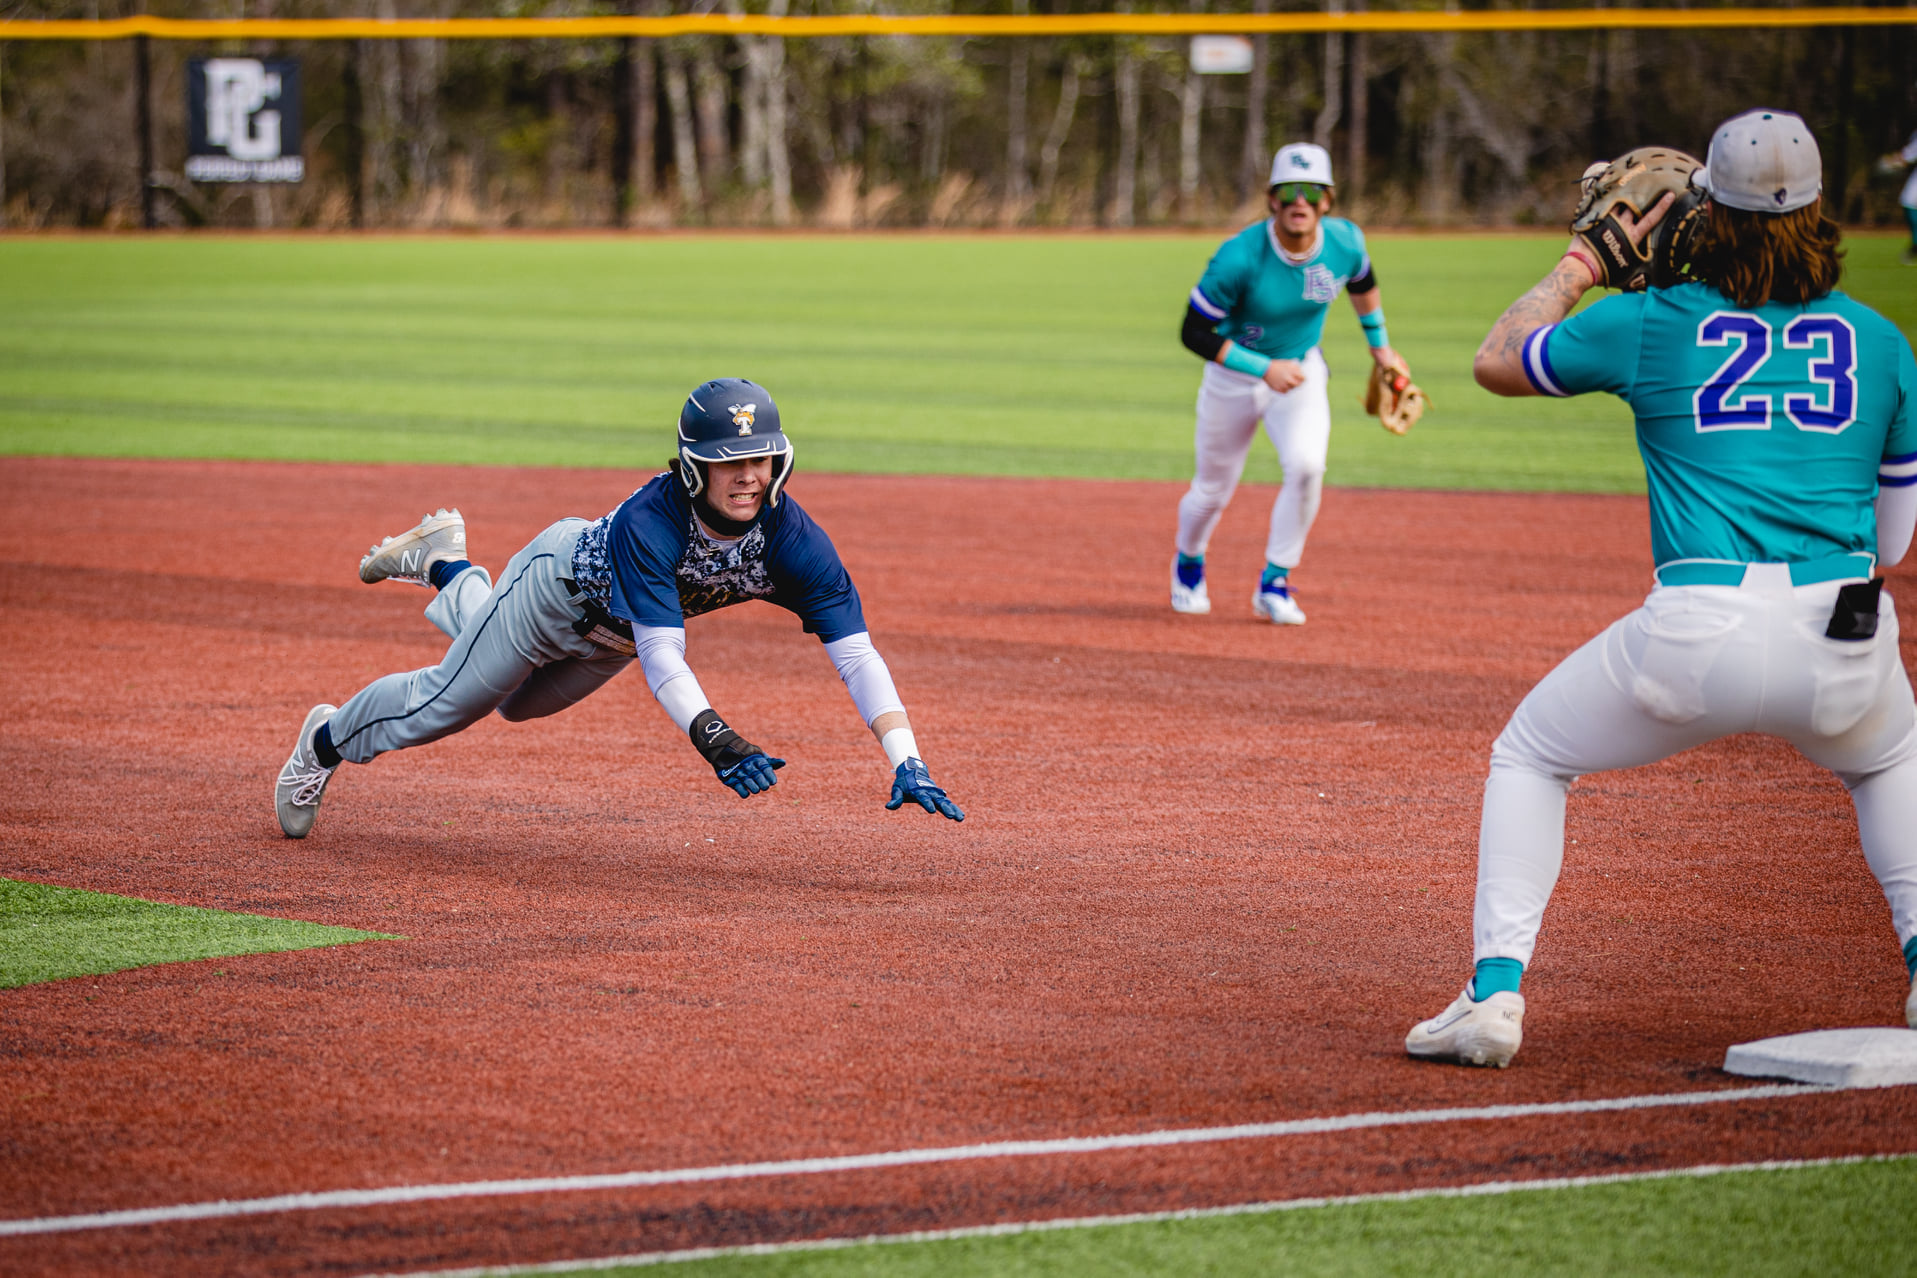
<point>1274,574</point>
<point>1494,976</point>
<point>1910,957</point>
<point>1185,560</point>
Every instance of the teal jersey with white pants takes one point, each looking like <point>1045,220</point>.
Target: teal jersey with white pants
<point>1765,433</point>
<point>1266,302</point>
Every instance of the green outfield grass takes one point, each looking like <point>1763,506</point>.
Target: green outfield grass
<point>50,933</point>
<point>1026,355</point>
<point>1845,1219</point>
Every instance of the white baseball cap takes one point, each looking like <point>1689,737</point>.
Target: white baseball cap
<point>1301,162</point>
<point>1762,162</point>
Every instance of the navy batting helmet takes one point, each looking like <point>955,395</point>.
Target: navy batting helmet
<point>731,419</point>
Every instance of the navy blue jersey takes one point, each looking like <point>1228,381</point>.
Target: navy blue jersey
<point>650,563</point>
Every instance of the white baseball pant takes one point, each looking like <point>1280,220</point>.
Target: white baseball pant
<point>1230,405</point>
<point>514,651</point>
<point>1696,663</point>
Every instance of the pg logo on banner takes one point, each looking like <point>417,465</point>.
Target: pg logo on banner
<point>243,119</point>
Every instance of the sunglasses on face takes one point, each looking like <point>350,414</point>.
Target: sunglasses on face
<point>1309,192</point>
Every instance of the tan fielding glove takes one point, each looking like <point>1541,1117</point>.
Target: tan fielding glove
<point>1394,399</point>
<point>1635,181</point>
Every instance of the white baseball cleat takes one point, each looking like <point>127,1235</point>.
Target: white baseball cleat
<point>302,781</point>
<point>1469,1033</point>
<point>1189,599</point>
<point>440,537</point>
<point>1275,604</point>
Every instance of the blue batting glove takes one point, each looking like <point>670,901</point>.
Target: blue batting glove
<point>912,781</point>
<point>751,775</point>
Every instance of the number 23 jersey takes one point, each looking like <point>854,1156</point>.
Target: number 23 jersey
<point>1764,432</point>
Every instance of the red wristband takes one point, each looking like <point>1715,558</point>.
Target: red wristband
<point>1584,259</point>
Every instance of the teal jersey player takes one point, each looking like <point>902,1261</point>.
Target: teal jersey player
<point>1777,419</point>
<point>1762,430</point>
<point>1256,319</point>
<point>1264,299</point>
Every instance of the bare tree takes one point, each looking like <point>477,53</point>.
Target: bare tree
<point>3,136</point>
<point>1018,177</point>
<point>383,181</point>
<point>778,134</point>
<point>1257,159</point>
<point>1440,162</point>
<point>1360,113</point>
<point>645,121</point>
<point>752,139</point>
<point>1332,107</point>
<point>685,154</point>
<point>1191,106</point>
<point>715,145</point>
<point>1061,129</point>
<point>765,154</point>
<point>425,139</point>
<point>1125,174</point>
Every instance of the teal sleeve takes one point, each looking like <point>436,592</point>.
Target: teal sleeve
<point>1594,350</point>
<point>1902,440</point>
<point>1222,285</point>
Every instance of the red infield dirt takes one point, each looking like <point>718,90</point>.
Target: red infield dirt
<point>1211,872</point>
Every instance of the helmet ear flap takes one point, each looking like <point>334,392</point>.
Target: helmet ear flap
<point>783,473</point>
<point>692,475</point>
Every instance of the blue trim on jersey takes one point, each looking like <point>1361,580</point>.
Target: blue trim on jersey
<point>492,610</point>
<point>1900,460</point>
<point>1537,364</point>
<point>1205,306</point>
<point>1895,481</point>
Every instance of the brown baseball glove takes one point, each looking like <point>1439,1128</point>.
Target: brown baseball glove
<point>1634,182</point>
<point>1394,399</point>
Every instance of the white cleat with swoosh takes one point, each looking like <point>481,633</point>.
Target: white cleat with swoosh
<point>1486,1033</point>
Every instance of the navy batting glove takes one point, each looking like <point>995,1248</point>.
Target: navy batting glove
<point>751,775</point>
<point>912,781</point>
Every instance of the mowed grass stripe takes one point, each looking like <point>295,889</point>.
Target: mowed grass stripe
<point>977,355</point>
<point>49,933</point>
<point>1842,1216</point>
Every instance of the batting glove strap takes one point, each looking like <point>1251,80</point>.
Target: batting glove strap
<point>737,762</point>
<point>911,781</point>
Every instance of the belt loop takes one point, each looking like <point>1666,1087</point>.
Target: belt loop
<point>1767,579</point>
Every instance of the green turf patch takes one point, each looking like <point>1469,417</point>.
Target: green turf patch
<point>49,933</point>
<point>1033,355</point>
<point>1845,1219</point>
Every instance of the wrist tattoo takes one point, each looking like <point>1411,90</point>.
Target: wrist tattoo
<point>1549,301</point>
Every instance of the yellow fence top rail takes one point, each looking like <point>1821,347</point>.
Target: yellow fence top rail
<point>1175,24</point>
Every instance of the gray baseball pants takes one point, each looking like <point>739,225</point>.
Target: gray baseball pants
<point>513,651</point>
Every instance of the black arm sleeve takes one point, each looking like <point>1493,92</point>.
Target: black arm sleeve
<point>1364,283</point>
<point>1199,337</point>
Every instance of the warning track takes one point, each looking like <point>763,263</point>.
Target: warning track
<point>1211,871</point>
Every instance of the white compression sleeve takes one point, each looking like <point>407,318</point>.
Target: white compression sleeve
<point>662,655</point>
<point>865,675</point>
<point>1896,518</point>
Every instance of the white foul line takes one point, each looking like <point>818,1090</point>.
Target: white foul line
<point>224,1208</point>
<point>1483,1189</point>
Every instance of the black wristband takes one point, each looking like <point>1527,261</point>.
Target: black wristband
<point>721,746</point>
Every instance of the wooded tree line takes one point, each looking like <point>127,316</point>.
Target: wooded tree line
<point>1426,129</point>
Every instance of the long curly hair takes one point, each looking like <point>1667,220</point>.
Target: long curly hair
<point>1754,258</point>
